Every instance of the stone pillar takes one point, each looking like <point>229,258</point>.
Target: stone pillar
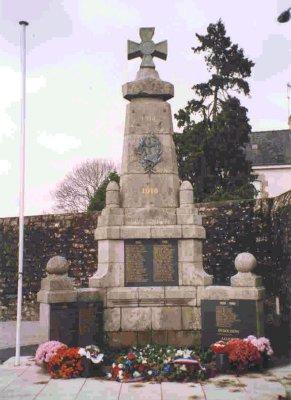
<point>148,114</point>
<point>67,314</point>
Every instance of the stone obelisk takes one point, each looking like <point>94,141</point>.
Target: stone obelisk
<point>149,234</point>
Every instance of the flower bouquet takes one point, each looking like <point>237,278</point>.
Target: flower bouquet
<point>46,350</point>
<point>156,363</point>
<point>92,358</point>
<point>66,363</point>
<point>242,355</point>
<point>264,347</point>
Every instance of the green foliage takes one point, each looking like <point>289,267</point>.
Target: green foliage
<point>211,148</point>
<point>97,202</point>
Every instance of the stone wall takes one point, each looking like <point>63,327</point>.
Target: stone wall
<point>45,236</point>
<point>261,227</point>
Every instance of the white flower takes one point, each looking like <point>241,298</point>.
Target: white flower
<point>108,375</point>
<point>187,354</point>
<point>136,374</point>
<point>179,353</point>
<point>120,375</point>
<point>183,368</point>
<point>98,359</point>
<point>88,354</point>
<point>168,351</point>
<point>120,366</point>
<point>166,362</point>
<point>144,361</point>
<point>150,372</point>
<point>82,351</point>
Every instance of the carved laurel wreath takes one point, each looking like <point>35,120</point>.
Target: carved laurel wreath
<point>149,151</point>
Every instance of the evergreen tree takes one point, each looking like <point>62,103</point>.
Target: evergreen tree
<point>97,202</point>
<point>211,148</point>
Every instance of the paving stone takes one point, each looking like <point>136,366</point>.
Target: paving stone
<point>30,382</point>
<point>99,390</point>
<point>7,376</point>
<point>182,391</point>
<point>27,385</point>
<point>141,390</point>
<point>263,388</point>
<point>62,389</point>
<point>224,387</point>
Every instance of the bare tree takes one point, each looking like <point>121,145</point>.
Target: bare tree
<point>74,193</point>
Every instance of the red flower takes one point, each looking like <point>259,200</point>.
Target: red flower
<point>243,354</point>
<point>66,363</point>
<point>131,356</point>
<point>114,371</point>
<point>218,347</point>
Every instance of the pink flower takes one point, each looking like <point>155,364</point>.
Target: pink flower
<point>46,350</point>
<point>262,344</point>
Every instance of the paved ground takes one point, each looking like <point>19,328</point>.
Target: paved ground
<point>29,382</point>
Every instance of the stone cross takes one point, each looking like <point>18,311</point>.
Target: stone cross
<point>147,49</point>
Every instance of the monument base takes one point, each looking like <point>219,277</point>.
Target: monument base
<point>134,338</point>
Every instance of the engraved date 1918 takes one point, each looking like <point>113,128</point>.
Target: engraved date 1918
<point>150,190</point>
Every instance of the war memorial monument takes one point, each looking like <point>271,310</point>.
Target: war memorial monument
<point>150,285</point>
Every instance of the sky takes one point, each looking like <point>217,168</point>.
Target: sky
<point>77,63</point>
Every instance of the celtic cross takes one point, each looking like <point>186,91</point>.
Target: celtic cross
<point>147,49</point>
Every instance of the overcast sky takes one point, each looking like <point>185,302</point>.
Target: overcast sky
<point>77,62</point>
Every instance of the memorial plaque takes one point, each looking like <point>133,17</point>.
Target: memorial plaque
<point>64,323</point>
<point>90,323</point>
<point>76,324</point>
<point>227,319</point>
<point>151,262</point>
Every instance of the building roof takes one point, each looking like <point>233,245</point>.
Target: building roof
<point>270,147</point>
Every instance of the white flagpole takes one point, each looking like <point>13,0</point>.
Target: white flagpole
<point>23,25</point>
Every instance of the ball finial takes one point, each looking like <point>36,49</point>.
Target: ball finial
<point>245,262</point>
<point>57,265</point>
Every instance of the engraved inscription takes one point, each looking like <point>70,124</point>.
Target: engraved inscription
<point>163,262</point>
<point>135,263</point>
<point>225,316</point>
<point>151,262</point>
<point>224,320</point>
<point>150,190</point>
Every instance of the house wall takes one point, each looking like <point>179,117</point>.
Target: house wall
<point>273,180</point>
